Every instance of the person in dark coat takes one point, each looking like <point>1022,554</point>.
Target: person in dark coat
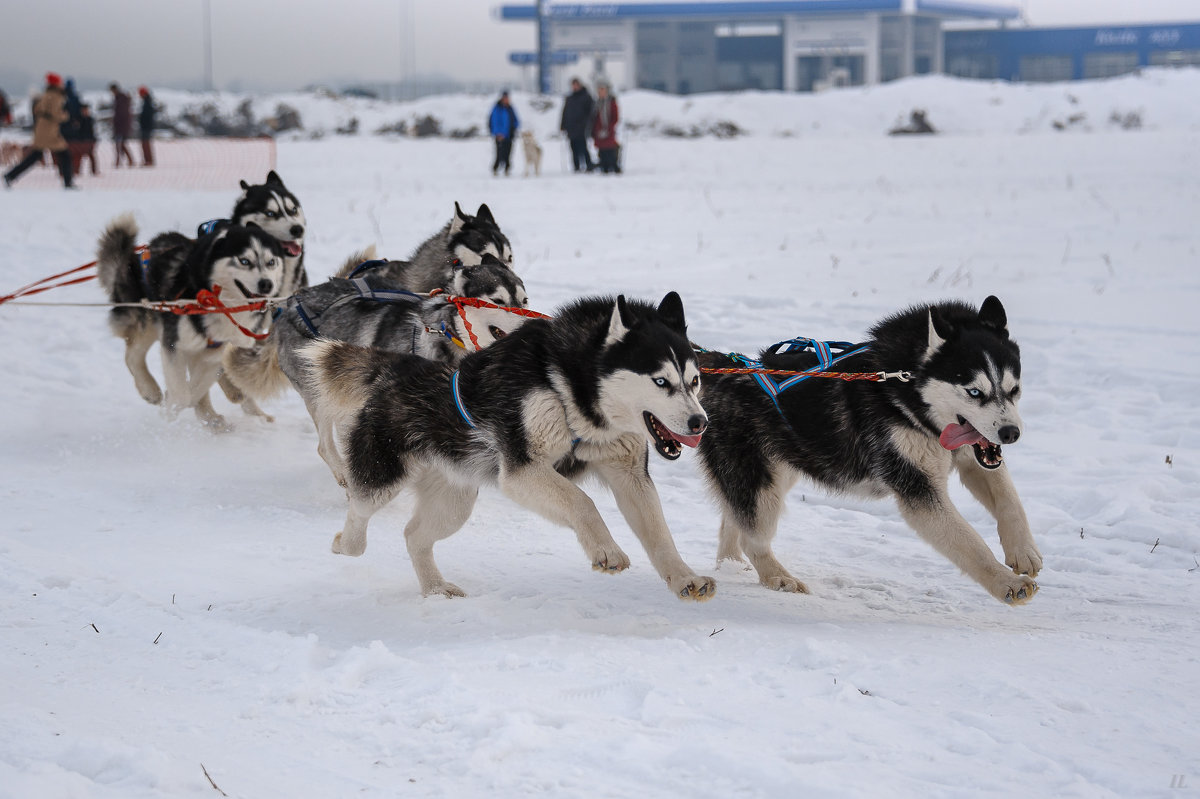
<point>48,117</point>
<point>122,123</point>
<point>84,145</point>
<point>5,111</point>
<point>604,129</point>
<point>146,125</point>
<point>503,126</point>
<point>576,116</point>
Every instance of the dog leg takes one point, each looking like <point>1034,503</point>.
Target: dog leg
<point>352,540</point>
<point>639,503</point>
<point>138,341</point>
<point>327,446</point>
<point>541,489</point>
<point>442,509</point>
<point>729,542</point>
<point>940,523</point>
<point>202,373</point>
<point>175,367</point>
<point>757,533</point>
<point>995,491</point>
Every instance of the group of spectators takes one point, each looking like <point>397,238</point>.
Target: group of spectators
<point>63,125</point>
<point>581,116</point>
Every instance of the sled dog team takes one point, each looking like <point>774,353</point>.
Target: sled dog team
<point>387,364</point>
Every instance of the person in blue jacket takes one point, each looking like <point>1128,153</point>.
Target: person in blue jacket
<point>503,126</point>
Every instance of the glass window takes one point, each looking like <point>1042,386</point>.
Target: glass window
<point>972,65</point>
<point>1037,68</point>
<point>1105,65</point>
<point>1175,58</point>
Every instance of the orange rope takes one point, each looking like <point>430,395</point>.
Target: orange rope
<point>209,302</point>
<point>36,286</point>
<point>461,302</point>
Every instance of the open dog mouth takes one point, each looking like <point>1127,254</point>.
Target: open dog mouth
<point>292,248</point>
<point>959,435</point>
<point>247,292</point>
<point>666,443</point>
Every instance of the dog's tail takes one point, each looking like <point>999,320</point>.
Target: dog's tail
<point>117,262</point>
<point>353,261</point>
<point>255,371</point>
<point>338,376</point>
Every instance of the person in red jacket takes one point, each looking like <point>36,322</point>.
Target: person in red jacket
<point>604,128</point>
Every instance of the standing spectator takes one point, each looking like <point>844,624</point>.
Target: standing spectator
<point>577,113</point>
<point>71,101</point>
<point>5,111</point>
<point>48,116</point>
<point>70,129</point>
<point>503,125</point>
<point>84,145</point>
<point>146,125</point>
<point>604,129</point>
<point>122,123</point>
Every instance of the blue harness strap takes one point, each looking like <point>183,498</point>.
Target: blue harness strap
<point>825,359</point>
<point>367,265</point>
<point>144,263</point>
<point>363,292</point>
<point>458,403</point>
<point>204,228</point>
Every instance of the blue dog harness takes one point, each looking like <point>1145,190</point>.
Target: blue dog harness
<point>363,292</point>
<point>458,403</point>
<point>825,358</point>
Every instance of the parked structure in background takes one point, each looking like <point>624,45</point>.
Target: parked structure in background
<point>810,45</point>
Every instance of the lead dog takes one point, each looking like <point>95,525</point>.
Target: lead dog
<point>891,438</point>
<point>583,391</point>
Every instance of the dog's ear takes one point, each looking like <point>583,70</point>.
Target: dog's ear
<point>484,215</point>
<point>670,310</point>
<point>273,177</point>
<point>991,314</point>
<point>458,220</point>
<point>939,332</point>
<point>245,186</point>
<point>619,323</point>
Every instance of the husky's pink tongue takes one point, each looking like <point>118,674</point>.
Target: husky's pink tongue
<point>687,441</point>
<point>960,435</point>
<point>292,247</point>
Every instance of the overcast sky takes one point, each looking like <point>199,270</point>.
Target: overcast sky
<point>281,44</point>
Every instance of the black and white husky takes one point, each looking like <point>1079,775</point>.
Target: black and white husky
<point>582,392</point>
<point>245,263</point>
<point>369,312</point>
<point>878,438</point>
<point>463,241</point>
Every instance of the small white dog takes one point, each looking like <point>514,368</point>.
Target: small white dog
<point>533,153</point>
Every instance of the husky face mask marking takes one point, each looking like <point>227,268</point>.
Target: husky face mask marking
<point>493,282</point>
<point>274,209</point>
<point>977,404</point>
<point>662,386</point>
<point>249,263</point>
<point>473,237</point>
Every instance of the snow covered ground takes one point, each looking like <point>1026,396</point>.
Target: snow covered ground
<point>169,605</point>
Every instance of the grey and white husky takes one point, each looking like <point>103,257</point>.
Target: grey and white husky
<point>582,392</point>
<point>372,313</point>
<point>879,438</point>
<point>245,263</point>
<point>463,241</point>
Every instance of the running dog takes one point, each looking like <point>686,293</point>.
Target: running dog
<point>533,153</point>
<point>463,241</point>
<point>245,263</point>
<point>371,313</point>
<point>582,392</point>
<point>878,438</point>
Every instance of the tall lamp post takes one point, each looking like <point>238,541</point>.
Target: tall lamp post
<point>543,49</point>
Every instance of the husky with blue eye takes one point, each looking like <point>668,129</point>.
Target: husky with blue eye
<point>891,438</point>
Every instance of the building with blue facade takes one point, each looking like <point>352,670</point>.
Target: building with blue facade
<point>808,45</point>
<point>1052,54</point>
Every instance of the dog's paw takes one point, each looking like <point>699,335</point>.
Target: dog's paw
<point>217,424</point>
<point>1015,589</point>
<point>736,562</point>
<point>349,546</point>
<point>1025,561</point>
<point>610,561</point>
<point>786,583</point>
<point>699,589</point>
<point>150,392</point>
<point>443,589</point>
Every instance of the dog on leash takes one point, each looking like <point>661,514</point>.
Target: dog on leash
<point>532,151</point>
<point>463,241</point>
<point>878,438</point>
<point>580,393</point>
<point>245,263</point>
<point>372,313</point>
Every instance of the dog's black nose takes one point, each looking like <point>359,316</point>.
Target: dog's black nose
<point>297,230</point>
<point>265,286</point>
<point>697,424</point>
<point>1009,433</point>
